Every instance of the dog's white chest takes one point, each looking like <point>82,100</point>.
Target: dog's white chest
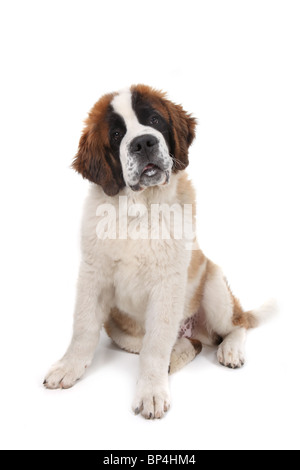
<point>132,279</point>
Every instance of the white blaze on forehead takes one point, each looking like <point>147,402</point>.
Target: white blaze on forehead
<point>123,106</point>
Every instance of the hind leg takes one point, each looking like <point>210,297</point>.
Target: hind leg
<point>220,308</point>
<point>184,351</point>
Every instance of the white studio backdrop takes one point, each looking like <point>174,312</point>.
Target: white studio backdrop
<point>235,66</point>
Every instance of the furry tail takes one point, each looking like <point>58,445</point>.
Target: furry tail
<point>256,317</point>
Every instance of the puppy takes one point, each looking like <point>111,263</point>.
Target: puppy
<point>142,274</point>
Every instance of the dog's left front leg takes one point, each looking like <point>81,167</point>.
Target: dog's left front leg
<point>164,313</point>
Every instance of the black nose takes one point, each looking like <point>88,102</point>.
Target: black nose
<point>143,144</point>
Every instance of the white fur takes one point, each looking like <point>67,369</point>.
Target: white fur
<point>217,303</point>
<point>266,311</point>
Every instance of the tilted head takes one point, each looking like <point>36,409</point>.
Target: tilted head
<point>135,138</point>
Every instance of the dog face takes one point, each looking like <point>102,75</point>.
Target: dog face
<point>136,138</point>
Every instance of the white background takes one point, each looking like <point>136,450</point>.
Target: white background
<point>235,66</point>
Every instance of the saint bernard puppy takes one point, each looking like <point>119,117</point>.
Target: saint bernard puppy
<point>156,295</point>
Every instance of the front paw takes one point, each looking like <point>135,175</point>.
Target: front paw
<point>64,374</point>
<point>151,400</point>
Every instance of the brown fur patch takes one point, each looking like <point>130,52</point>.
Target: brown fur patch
<point>94,160</point>
<point>211,270</point>
<point>197,345</point>
<point>197,298</point>
<point>197,260</point>
<point>186,192</point>
<point>186,195</point>
<point>244,320</point>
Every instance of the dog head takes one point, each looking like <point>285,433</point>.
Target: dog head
<point>135,138</point>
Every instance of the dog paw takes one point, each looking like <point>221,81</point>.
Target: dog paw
<point>151,401</point>
<point>184,351</point>
<point>64,374</point>
<point>231,355</point>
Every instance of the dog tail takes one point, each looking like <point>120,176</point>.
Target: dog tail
<point>255,317</point>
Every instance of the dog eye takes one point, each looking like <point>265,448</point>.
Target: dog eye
<point>116,135</point>
<point>154,120</point>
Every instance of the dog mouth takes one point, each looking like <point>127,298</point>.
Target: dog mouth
<point>152,175</point>
<point>150,170</point>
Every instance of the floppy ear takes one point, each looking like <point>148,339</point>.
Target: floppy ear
<point>94,162</point>
<point>183,126</point>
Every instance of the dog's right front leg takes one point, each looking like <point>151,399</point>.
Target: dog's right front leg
<point>90,313</point>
